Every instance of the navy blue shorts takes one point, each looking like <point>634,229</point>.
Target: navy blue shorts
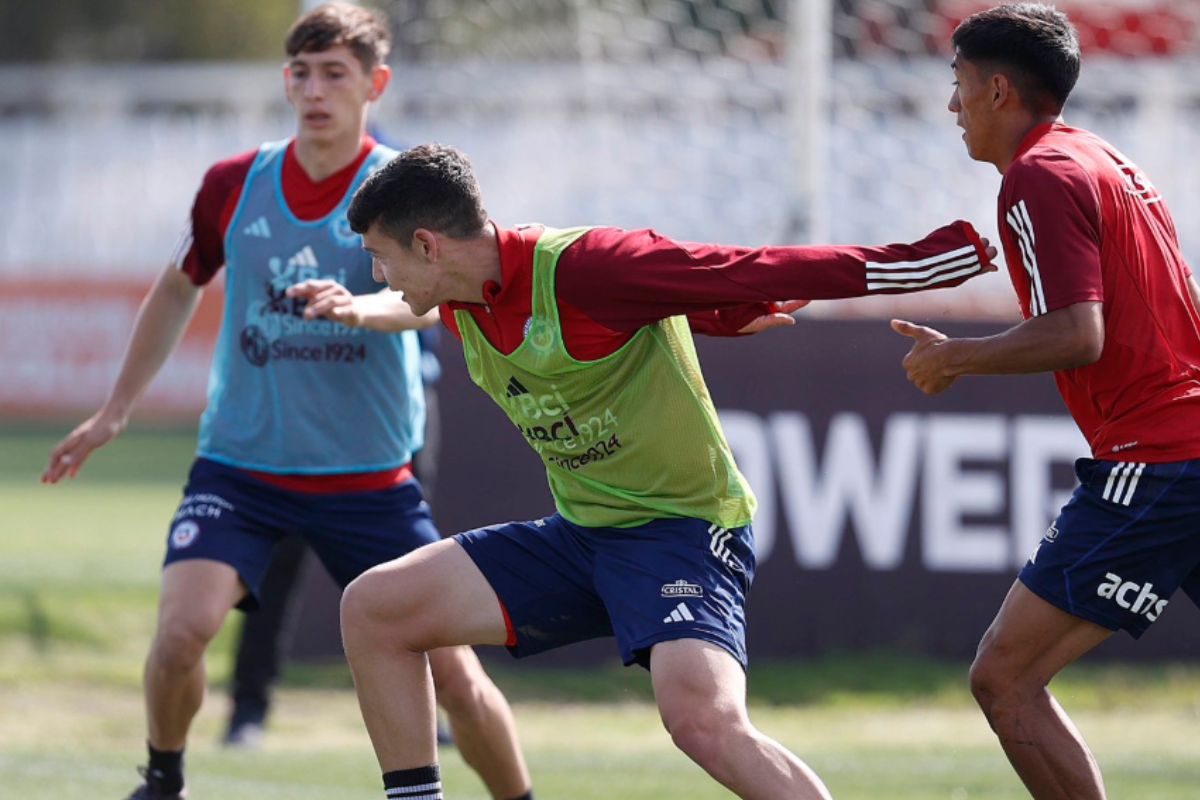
<point>228,516</point>
<point>1127,539</point>
<point>669,579</point>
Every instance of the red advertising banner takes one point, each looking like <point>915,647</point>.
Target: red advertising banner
<point>62,341</point>
<point>1116,27</point>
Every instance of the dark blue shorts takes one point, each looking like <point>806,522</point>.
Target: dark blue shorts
<point>669,579</point>
<point>228,516</point>
<point>1128,538</point>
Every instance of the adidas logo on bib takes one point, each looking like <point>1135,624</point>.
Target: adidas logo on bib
<point>304,258</point>
<point>258,228</point>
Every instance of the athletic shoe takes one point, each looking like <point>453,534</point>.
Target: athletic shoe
<point>244,735</point>
<point>247,725</point>
<point>151,788</point>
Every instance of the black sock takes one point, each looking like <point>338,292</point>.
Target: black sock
<point>165,769</point>
<point>422,783</point>
<point>527,796</point>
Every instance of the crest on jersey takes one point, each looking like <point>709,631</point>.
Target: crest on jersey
<point>1137,184</point>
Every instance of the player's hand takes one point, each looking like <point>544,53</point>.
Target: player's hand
<point>67,458</point>
<point>328,299</point>
<point>992,253</point>
<point>924,362</point>
<point>780,316</point>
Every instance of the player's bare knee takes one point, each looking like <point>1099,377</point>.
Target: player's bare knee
<point>704,734</point>
<point>178,646</point>
<point>377,606</point>
<point>358,605</point>
<point>985,681</point>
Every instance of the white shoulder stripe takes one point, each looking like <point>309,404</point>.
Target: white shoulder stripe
<point>183,246</point>
<point>1019,221</point>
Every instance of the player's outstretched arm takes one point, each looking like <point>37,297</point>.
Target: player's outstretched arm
<point>160,324</point>
<point>1066,338</point>
<point>384,311</point>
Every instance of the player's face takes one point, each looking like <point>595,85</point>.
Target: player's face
<point>329,92</point>
<point>409,270</point>
<point>971,104</point>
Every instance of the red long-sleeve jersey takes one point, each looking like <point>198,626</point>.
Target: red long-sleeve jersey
<point>610,282</point>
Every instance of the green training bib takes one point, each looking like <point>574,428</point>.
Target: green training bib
<point>627,439</point>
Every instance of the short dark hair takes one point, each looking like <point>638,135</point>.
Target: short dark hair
<point>431,186</point>
<point>364,31</point>
<point>1037,42</point>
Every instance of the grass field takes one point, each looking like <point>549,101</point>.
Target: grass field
<point>78,578</point>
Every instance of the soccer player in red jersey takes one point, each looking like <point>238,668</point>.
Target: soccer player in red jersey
<point>583,337</point>
<point>1110,308</point>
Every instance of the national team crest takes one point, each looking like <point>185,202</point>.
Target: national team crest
<point>184,534</point>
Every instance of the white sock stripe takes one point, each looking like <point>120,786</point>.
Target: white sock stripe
<point>872,285</point>
<point>949,265</point>
<point>924,262</point>
<point>1137,474</point>
<point>406,791</point>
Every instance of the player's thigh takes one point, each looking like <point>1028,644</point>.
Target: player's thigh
<point>697,683</point>
<point>195,598</point>
<point>1030,641</point>
<point>433,597</point>
<point>351,533</point>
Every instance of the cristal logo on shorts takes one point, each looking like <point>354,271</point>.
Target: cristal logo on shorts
<point>184,534</point>
<point>682,588</point>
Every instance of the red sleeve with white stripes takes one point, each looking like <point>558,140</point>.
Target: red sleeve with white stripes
<point>1050,229</point>
<point>626,279</point>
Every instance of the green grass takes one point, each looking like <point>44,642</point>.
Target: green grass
<point>78,581</point>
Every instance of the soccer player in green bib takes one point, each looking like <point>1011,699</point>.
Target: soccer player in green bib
<point>583,337</point>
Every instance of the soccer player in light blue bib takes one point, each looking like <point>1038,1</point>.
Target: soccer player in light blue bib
<point>315,405</point>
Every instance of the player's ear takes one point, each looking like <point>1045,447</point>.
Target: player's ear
<point>381,76</point>
<point>287,81</point>
<point>425,243</point>
<point>1001,89</point>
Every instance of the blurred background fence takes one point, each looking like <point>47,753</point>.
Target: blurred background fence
<point>740,121</point>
